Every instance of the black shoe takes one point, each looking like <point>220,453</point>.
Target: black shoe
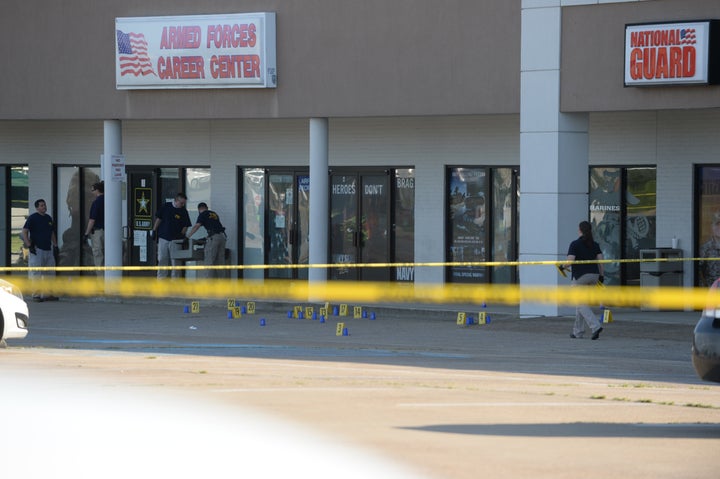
<point>573,336</point>
<point>596,334</point>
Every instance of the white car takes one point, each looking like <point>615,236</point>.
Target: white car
<point>13,313</point>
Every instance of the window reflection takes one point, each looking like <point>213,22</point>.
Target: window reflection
<point>73,199</point>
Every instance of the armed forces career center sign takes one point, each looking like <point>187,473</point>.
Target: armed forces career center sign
<point>207,51</point>
<point>682,53</point>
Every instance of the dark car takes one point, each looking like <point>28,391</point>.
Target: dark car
<point>706,340</point>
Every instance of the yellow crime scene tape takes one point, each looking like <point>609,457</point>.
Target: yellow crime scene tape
<point>361,291</point>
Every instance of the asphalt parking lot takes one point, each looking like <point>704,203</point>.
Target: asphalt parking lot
<point>512,398</point>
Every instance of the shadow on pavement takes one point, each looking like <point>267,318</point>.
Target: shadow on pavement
<point>581,429</point>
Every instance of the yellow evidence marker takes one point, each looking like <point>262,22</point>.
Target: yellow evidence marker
<point>251,307</point>
<point>231,303</point>
<point>236,312</point>
<point>195,307</point>
<point>357,312</point>
<point>343,310</point>
<point>607,316</point>
<point>339,329</point>
<point>461,319</point>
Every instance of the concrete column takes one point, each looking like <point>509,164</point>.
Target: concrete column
<point>319,213</point>
<point>553,155</point>
<point>112,145</point>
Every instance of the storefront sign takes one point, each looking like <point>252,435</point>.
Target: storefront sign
<point>670,54</point>
<point>209,51</point>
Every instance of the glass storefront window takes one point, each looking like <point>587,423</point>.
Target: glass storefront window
<point>303,224</point>
<point>169,184</point>
<point>367,210</point>
<point>72,202</point>
<point>622,214</point>
<point>404,250</point>
<point>253,221</point>
<point>197,189</point>
<point>467,223</point>
<point>708,224</point>
<point>14,189</point>
<point>19,211</point>
<point>504,207</point>
<point>640,218</point>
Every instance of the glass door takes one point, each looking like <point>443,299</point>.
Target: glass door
<point>281,219</point>
<point>142,204</point>
<point>276,222</point>
<point>344,240</point>
<point>374,244</point>
<point>360,224</point>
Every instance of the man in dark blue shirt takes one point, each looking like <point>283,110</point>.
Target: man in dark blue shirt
<point>171,223</point>
<point>39,237</point>
<point>95,230</point>
<point>215,244</point>
<point>585,248</point>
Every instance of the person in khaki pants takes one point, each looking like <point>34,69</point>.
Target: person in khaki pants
<point>585,248</point>
<point>95,230</point>
<point>215,245</point>
<point>38,235</point>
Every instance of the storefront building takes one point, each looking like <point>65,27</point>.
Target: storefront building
<point>371,132</point>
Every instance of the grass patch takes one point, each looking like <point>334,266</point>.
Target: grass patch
<point>698,405</point>
<point>633,385</point>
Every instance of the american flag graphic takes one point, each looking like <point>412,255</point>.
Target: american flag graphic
<point>687,36</point>
<point>133,54</point>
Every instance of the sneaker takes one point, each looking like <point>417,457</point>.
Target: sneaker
<point>596,334</point>
<point>575,337</point>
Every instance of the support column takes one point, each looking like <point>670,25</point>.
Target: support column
<point>112,145</point>
<point>319,213</point>
<point>553,156</point>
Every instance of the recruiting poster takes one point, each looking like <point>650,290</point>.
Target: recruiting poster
<point>202,51</point>
<point>605,217</point>
<point>467,218</point>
